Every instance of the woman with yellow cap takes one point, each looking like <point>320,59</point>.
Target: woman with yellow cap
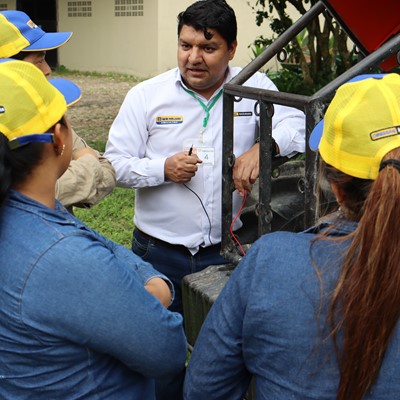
<point>80,316</point>
<point>314,315</point>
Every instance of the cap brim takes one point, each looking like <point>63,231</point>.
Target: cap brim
<point>70,91</point>
<point>316,133</point>
<point>6,60</point>
<point>49,41</point>
<point>315,136</point>
<point>366,76</point>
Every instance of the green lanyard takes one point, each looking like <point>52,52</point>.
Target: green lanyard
<point>206,108</point>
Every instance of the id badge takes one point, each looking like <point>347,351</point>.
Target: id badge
<point>197,146</point>
<point>206,154</point>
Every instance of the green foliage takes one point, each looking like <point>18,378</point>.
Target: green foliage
<point>260,44</point>
<point>290,77</point>
<point>315,56</point>
<point>290,81</point>
<point>112,217</point>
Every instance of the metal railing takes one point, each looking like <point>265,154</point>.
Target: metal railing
<point>313,106</point>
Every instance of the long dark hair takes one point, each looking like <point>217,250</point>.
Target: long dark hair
<point>16,165</point>
<point>365,305</point>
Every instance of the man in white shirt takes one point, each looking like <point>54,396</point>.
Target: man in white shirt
<point>166,142</point>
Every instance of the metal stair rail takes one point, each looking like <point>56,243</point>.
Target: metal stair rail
<point>313,106</point>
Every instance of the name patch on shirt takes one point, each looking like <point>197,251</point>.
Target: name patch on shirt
<point>242,114</point>
<point>169,119</point>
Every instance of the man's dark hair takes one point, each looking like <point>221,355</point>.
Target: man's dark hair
<point>210,14</point>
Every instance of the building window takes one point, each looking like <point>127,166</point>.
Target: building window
<point>3,7</point>
<point>79,9</point>
<point>129,8</point>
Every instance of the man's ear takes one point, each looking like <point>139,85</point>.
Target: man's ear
<point>232,50</point>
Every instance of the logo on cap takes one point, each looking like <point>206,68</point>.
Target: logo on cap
<point>384,133</point>
<point>2,109</point>
<point>31,24</point>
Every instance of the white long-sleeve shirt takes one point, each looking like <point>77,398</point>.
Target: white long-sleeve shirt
<point>156,120</point>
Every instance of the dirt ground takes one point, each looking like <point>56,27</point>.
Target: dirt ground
<point>101,99</point>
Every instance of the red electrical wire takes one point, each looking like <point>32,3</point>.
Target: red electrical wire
<point>233,222</point>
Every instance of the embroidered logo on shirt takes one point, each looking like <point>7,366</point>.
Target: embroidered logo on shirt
<point>383,133</point>
<point>242,114</point>
<point>169,119</point>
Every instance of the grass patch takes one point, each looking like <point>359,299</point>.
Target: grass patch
<point>97,144</point>
<point>112,217</point>
<point>91,119</point>
<point>116,76</point>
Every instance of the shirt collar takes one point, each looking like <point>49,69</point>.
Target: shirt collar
<point>179,81</point>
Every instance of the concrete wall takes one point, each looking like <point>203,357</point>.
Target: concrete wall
<point>8,5</point>
<point>105,43</point>
<point>141,45</point>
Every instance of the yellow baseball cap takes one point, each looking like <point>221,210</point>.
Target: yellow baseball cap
<point>12,42</point>
<point>29,104</point>
<point>19,33</point>
<point>361,125</point>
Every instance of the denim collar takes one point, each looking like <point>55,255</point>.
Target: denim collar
<point>58,215</point>
<point>337,224</point>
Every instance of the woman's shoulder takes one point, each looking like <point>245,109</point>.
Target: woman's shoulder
<point>281,256</point>
<point>284,240</point>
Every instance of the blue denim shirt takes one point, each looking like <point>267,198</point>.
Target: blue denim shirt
<point>266,324</point>
<point>75,320</point>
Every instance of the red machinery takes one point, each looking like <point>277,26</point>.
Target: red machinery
<point>368,24</point>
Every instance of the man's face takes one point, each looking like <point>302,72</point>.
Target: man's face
<point>38,58</point>
<point>203,62</point>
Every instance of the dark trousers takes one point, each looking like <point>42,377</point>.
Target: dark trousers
<point>174,261</point>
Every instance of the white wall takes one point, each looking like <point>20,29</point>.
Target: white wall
<point>144,46</point>
<point>106,43</point>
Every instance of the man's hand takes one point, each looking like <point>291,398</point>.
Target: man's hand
<point>181,168</point>
<point>246,170</point>
<point>159,289</point>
